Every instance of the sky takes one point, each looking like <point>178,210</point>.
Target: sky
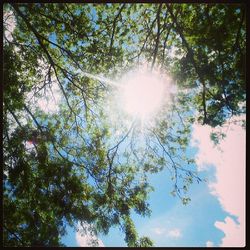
<point>216,214</point>
<point>215,217</point>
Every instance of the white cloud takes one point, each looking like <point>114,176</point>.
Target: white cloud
<point>171,233</point>
<point>174,233</point>
<point>229,187</point>
<point>209,243</point>
<point>86,238</point>
<point>234,233</point>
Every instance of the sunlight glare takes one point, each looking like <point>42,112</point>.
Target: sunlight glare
<point>142,94</point>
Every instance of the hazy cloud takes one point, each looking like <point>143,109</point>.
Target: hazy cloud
<point>159,230</point>
<point>174,233</point>
<point>209,243</point>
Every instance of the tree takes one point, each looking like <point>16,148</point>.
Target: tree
<point>69,166</point>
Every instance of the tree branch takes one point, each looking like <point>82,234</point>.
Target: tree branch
<point>236,44</point>
<point>55,147</point>
<point>16,236</point>
<point>157,37</point>
<point>39,38</point>
<point>166,38</point>
<point>146,39</point>
<point>111,159</point>
<point>191,54</point>
<point>15,117</point>
<point>114,27</point>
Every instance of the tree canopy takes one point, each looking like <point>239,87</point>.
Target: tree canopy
<point>84,159</point>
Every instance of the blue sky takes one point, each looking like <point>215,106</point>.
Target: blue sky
<point>209,219</point>
<point>195,220</point>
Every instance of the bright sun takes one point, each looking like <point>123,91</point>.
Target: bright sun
<point>142,94</point>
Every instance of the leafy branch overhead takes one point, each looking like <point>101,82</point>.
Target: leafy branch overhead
<point>85,161</point>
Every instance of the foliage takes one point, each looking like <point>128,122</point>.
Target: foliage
<point>69,166</point>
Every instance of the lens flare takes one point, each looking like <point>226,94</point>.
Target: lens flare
<point>142,94</point>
